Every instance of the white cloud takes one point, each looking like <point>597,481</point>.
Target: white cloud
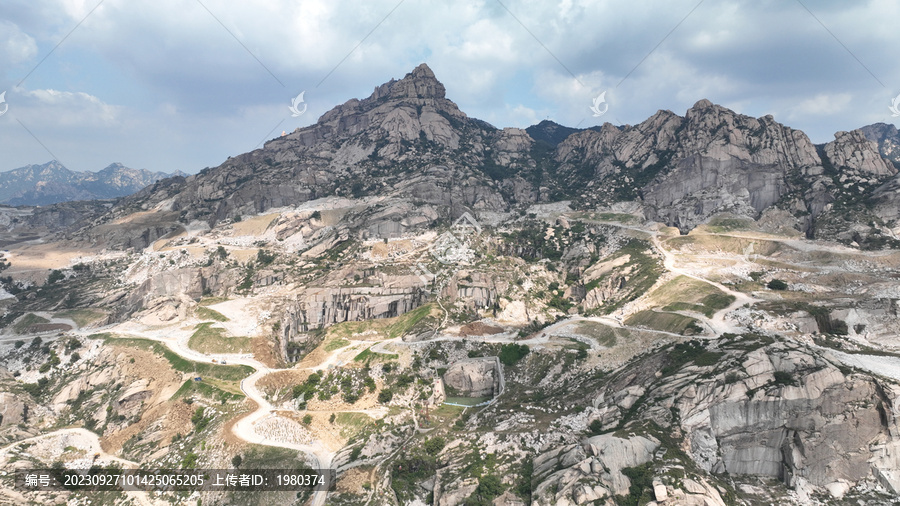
<point>65,109</point>
<point>823,104</point>
<point>15,45</point>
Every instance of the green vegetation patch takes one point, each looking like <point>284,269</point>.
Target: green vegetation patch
<point>368,355</point>
<point>512,353</point>
<point>192,388</point>
<point>604,334</point>
<point>336,344</point>
<point>721,224</point>
<point>684,293</point>
<point>668,322</point>
<point>416,320</point>
<point>615,217</point>
<point>208,339</point>
<point>467,401</point>
<point>205,313</point>
<point>209,301</point>
<point>352,423</point>
<point>689,352</point>
<point>202,369</point>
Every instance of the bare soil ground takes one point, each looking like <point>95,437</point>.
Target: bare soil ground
<point>353,479</point>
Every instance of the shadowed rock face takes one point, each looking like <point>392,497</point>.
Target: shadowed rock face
<point>473,377</point>
<point>321,307</point>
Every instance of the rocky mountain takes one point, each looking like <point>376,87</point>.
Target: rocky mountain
<point>41,185</point>
<point>407,140</point>
<point>447,313</point>
<point>887,138</point>
<point>550,132</point>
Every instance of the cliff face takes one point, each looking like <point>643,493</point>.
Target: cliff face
<point>780,411</point>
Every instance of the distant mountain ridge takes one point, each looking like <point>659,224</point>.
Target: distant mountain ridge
<point>50,183</point>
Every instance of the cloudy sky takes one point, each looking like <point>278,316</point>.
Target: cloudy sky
<point>183,84</point>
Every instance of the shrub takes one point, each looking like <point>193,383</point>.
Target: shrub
<point>264,257</point>
<point>784,378</point>
<point>488,488</point>
<point>512,353</point>
<point>523,485</point>
<point>307,419</point>
<point>732,377</point>
<point>434,445</point>
<point>777,284</point>
<point>200,422</point>
<point>641,478</point>
<point>236,460</point>
<point>385,396</point>
<point>55,275</point>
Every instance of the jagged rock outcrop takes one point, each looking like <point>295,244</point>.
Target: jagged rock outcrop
<point>321,307</point>
<point>887,137</point>
<point>190,281</point>
<point>380,144</point>
<point>590,471</point>
<point>714,160</point>
<point>852,150</point>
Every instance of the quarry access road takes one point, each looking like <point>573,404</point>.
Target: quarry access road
<point>244,428</point>
<point>717,323</point>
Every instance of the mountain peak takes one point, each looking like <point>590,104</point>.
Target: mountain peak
<point>423,70</point>
<point>420,83</point>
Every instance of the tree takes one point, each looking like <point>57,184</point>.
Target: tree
<point>434,445</point>
<point>307,419</point>
<point>512,353</point>
<point>385,396</point>
<point>236,460</point>
<point>777,284</point>
<point>55,275</point>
